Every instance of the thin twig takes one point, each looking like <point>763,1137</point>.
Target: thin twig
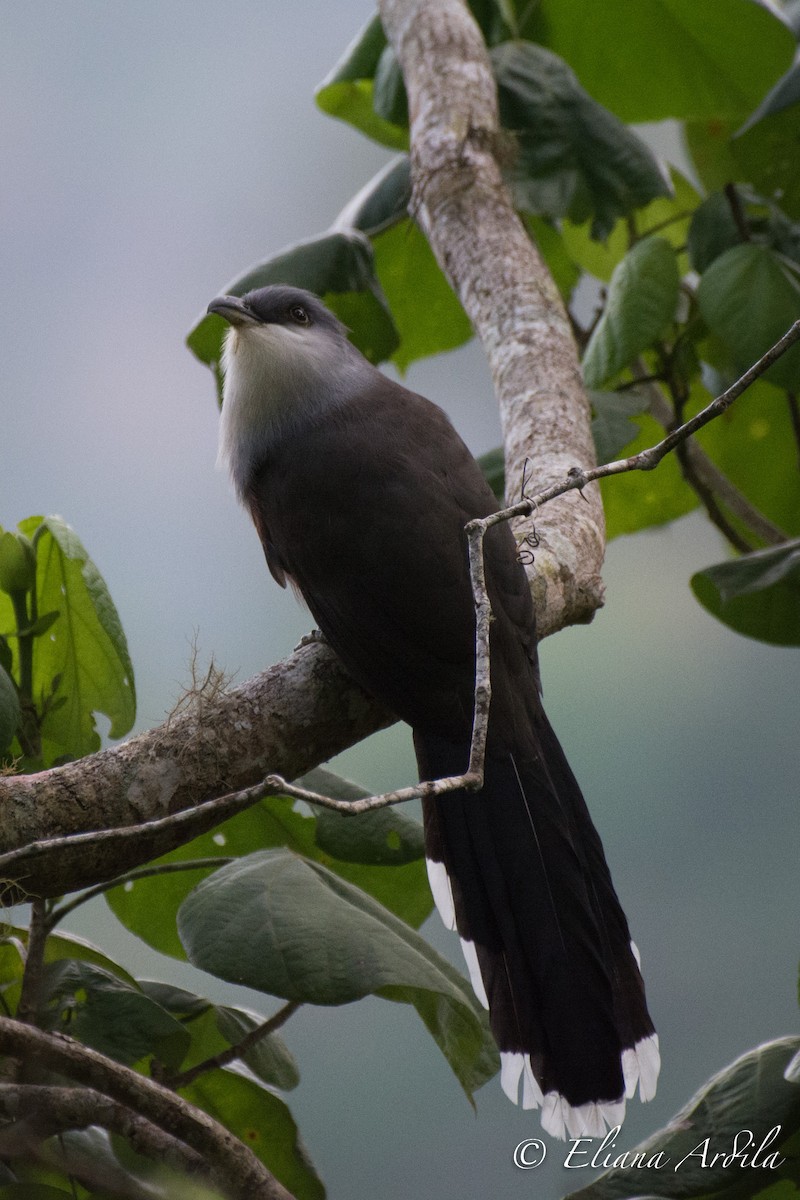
<point>233,1052</point>
<point>190,864</point>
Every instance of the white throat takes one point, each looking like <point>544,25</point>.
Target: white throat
<point>277,379</point>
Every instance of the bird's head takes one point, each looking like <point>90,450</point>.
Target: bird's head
<point>286,359</point>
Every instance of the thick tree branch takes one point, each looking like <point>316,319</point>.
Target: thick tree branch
<point>243,1176</point>
<point>500,278</point>
<point>35,1112</point>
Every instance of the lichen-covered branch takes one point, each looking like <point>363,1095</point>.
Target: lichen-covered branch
<point>463,206</point>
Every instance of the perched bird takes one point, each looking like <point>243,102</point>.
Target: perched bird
<point>360,490</point>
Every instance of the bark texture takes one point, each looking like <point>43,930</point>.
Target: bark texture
<point>480,243</point>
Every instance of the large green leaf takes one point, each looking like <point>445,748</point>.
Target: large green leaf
<point>287,926</point>
<point>554,251</point>
<point>749,297</point>
<point>426,312</point>
<point>668,216</point>
<point>574,157</point>
<point>382,201</point>
<point>263,1122</point>
<point>9,709</point>
<point>641,499</point>
<point>612,428</point>
<point>642,299</point>
<point>149,906</point>
<point>757,594</point>
<point>737,1109</point>
<point>214,1028</point>
<point>765,155</point>
<point>382,837</point>
<point>81,665</point>
<point>337,266</point>
<point>754,445</point>
<point>104,1012</point>
<point>348,92</point>
<point>655,59</point>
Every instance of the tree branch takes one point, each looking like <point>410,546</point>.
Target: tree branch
<point>480,243</point>
<point>243,1176</point>
<point>35,1112</point>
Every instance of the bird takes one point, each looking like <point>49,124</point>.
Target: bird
<point>360,491</point>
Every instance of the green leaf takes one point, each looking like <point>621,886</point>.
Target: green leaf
<point>575,158</point>
<point>425,310</point>
<point>33,1191</point>
<point>612,428</point>
<point>642,299</point>
<point>641,499</point>
<point>287,926</point>
<point>9,709</point>
<point>17,563</point>
<point>263,1122</point>
<point>389,92</point>
<point>753,444</point>
<point>493,465</point>
<point>215,1028</point>
<point>744,1101</point>
<point>84,653</point>
<point>338,267</point>
<point>102,1011</point>
<point>749,298</point>
<point>555,253</point>
<point>148,907</point>
<point>382,837</point>
<point>784,94</point>
<point>765,156</point>
<point>757,594</point>
<point>713,231</point>
<point>348,91</point>
<point>382,202</point>
<point>700,47</point>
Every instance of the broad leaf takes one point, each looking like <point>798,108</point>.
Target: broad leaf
<point>348,92</point>
<point>149,906</point>
<point>765,155</point>
<point>263,1122</point>
<point>426,312</point>
<point>642,299</point>
<point>554,251</point>
<point>668,58</point>
<point>749,298</point>
<point>784,94</point>
<point>668,216</point>
<point>738,1108</point>
<point>640,499</point>
<point>214,1028</point>
<point>757,594</point>
<point>82,665</point>
<point>612,428</point>
<point>114,1018</point>
<point>284,925</point>
<point>753,444</point>
<point>9,709</point>
<point>382,837</point>
<point>575,158</point>
<point>382,202</point>
<point>336,266</point>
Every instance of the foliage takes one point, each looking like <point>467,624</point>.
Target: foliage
<point>693,280</point>
<point>63,655</point>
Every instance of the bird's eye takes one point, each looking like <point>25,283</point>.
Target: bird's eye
<point>299,314</point>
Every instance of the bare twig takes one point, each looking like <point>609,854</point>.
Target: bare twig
<point>241,1174</point>
<point>233,1052</point>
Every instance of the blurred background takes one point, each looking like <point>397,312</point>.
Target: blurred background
<point>149,153</point>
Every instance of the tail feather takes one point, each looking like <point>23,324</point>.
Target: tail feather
<point>528,888</point>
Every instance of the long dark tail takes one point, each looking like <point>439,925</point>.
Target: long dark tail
<point>519,870</point>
